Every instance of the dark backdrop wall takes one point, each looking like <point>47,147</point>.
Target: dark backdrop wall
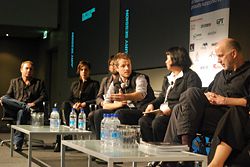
<point>146,31</point>
<point>89,34</point>
<point>239,24</point>
<point>30,13</point>
<point>149,28</point>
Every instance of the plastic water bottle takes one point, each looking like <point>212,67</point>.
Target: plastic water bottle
<point>107,130</point>
<point>103,130</point>
<point>114,132</point>
<point>82,120</point>
<point>54,120</point>
<point>72,119</point>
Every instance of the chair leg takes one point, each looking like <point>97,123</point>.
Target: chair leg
<point>4,142</point>
<point>35,142</point>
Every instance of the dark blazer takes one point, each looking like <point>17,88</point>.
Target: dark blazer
<point>106,81</point>
<point>84,91</point>
<point>189,79</point>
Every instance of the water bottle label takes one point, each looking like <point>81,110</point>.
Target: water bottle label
<point>102,136</point>
<point>115,135</point>
<point>54,124</point>
<point>80,124</point>
<point>72,123</point>
<point>57,122</point>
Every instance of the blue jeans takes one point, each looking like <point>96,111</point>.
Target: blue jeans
<point>19,111</point>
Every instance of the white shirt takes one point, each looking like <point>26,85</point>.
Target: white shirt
<point>171,80</point>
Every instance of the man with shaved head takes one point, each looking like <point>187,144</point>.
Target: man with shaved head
<point>222,110</point>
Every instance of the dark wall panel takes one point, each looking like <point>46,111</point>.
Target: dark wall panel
<point>30,13</point>
<point>148,28</point>
<point>88,34</point>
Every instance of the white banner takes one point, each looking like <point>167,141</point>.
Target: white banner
<point>209,23</point>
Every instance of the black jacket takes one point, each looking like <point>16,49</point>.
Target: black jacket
<point>189,79</point>
<point>84,91</point>
<point>33,93</point>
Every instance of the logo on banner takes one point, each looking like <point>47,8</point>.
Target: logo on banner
<point>220,21</point>
<point>204,45</point>
<point>211,33</point>
<point>197,36</point>
<point>206,25</point>
<point>191,47</point>
<point>213,44</point>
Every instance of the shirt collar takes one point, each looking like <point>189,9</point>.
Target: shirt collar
<point>172,77</point>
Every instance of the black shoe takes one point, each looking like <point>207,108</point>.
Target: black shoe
<point>57,147</point>
<point>175,164</point>
<point>68,137</point>
<point>99,161</point>
<point>185,164</point>
<point>17,148</point>
<point>167,164</point>
<point>152,164</point>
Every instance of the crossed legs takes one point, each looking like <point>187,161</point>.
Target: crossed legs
<point>19,111</point>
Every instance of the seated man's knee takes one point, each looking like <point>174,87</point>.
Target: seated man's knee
<point>142,121</point>
<point>98,115</point>
<point>160,122</point>
<point>98,112</point>
<point>4,99</point>
<point>120,113</point>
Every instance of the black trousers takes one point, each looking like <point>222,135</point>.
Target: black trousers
<point>233,129</point>
<point>125,115</point>
<point>153,128</point>
<point>19,111</point>
<point>193,114</point>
